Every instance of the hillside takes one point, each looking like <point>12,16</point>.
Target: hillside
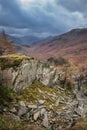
<point>71,45</point>
<point>37,96</point>
<point>32,91</point>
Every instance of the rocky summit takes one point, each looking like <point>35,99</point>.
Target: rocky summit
<point>35,95</point>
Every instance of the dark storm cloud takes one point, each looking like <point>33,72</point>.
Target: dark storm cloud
<point>9,13</point>
<point>12,15</point>
<point>48,18</point>
<point>38,19</point>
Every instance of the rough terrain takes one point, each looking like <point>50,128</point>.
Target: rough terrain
<point>40,94</point>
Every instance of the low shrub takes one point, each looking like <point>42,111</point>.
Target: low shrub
<point>57,61</point>
<point>6,95</point>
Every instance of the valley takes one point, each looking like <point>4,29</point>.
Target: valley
<point>71,45</point>
<point>44,86</point>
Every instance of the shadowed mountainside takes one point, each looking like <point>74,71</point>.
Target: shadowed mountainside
<point>71,45</point>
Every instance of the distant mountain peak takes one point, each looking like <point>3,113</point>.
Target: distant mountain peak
<point>78,31</point>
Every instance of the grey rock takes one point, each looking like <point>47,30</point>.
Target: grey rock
<point>15,117</point>
<point>41,106</point>
<point>13,110</point>
<point>22,111</point>
<point>60,127</point>
<point>78,111</point>
<point>41,102</point>
<point>21,103</point>
<point>5,110</point>
<point>75,116</point>
<point>28,116</point>
<point>32,106</point>
<point>43,111</point>
<point>44,116</point>
<point>45,120</point>
<point>36,115</point>
<point>22,108</point>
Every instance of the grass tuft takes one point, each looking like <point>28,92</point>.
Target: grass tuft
<point>13,60</point>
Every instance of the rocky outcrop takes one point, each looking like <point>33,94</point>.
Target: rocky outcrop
<point>64,108</point>
<point>29,71</point>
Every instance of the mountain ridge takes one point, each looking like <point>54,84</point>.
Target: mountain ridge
<point>71,45</point>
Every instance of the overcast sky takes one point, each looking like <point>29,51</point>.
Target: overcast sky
<point>42,17</point>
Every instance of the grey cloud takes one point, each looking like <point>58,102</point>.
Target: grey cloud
<point>50,19</point>
<point>37,19</point>
<point>74,5</point>
<point>12,15</point>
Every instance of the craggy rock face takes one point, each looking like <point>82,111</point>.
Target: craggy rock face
<point>72,105</point>
<point>32,70</point>
<point>28,72</point>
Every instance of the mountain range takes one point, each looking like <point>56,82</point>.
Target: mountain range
<point>40,95</point>
<point>71,45</point>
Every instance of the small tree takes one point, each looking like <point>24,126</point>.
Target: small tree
<point>6,45</point>
<point>4,36</point>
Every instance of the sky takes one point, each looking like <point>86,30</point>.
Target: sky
<point>42,18</point>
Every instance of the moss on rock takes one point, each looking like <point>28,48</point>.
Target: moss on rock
<point>13,60</point>
<point>38,91</point>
